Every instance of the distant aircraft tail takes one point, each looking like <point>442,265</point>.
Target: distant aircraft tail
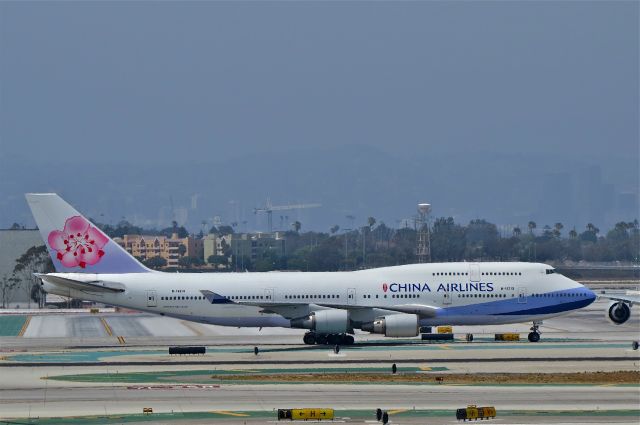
<point>75,244</point>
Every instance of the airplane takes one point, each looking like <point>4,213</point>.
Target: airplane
<point>394,301</point>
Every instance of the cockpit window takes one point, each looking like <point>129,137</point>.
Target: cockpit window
<point>550,271</point>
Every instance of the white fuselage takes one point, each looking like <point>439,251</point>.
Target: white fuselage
<point>462,293</point>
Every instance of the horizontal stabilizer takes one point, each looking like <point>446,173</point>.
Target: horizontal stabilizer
<point>90,286</point>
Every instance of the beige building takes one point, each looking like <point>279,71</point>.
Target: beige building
<point>171,249</point>
<point>214,244</point>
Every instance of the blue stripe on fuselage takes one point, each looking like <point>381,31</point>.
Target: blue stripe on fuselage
<point>547,303</point>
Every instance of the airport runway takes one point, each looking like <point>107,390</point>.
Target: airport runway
<point>57,400</point>
<point>581,341</point>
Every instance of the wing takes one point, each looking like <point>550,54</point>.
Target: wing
<point>627,298</point>
<point>286,310</point>
<point>87,286</point>
<point>295,310</point>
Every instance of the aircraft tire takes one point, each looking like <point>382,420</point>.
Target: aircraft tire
<point>321,339</point>
<point>309,338</point>
<point>333,339</point>
<point>534,337</point>
<point>346,339</point>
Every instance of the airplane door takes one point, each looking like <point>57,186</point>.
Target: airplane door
<point>474,272</point>
<point>351,296</point>
<point>522,295</point>
<point>268,295</point>
<point>446,298</point>
<point>152,299</point>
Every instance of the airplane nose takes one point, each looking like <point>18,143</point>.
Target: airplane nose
<point>589,294</point>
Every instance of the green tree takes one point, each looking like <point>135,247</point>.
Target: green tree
<point>557,229</point>
<point>590,234</point>
<point>155,263</point>
<point>517,232</point>
<point>35,260</point>
<point>190,261</point>
<point>482,239</point>
<point>217,260</point>
<point>296,226</point>
<point>7,285</point>
<point>532,226</point>
<point>448,240</point>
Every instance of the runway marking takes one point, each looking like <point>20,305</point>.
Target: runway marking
<point>106,326</point>
<point>226,412</point>
<point>425,368</point>
<point>393,412</point>
<point>445,347</point>
<point>25,325</point>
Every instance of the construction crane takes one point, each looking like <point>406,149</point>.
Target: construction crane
<point>269,209</point>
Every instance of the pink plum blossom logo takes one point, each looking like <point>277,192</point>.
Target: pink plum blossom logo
<point>385,287</point>
<point>79,244</point>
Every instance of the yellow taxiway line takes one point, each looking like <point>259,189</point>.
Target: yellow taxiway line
<point>24,326</point>
<point>226,412</point>
<point>106,326</point>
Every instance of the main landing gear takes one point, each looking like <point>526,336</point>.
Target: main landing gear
<point>534,336</point>
<point>311,338</point>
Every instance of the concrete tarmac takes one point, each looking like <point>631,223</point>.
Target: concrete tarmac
<point>581,341</point>
<point>56,400</point>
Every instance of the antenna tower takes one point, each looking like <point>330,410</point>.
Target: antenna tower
<point>423,243</point>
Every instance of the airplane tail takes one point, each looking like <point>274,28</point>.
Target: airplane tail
<point>75,244</point>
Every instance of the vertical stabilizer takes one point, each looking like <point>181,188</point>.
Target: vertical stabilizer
<point>75,244</point>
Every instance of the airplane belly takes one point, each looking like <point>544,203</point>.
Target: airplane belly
<point>231,315</point>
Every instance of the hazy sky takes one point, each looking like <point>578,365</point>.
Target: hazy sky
<point>217,80</point>
<point>88,82</point>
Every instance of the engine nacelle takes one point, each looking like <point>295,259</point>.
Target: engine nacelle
<point>618,312</point>
<point>396,325</point>
<point>325,322</point>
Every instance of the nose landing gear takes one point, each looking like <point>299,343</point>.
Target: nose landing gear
<point>534,336</point>
<point>312,338</point>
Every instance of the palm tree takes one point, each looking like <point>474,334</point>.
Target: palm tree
<point>556,229</point>
<point>531,226</point>
<point>517,231</point>
<point>573,234</point>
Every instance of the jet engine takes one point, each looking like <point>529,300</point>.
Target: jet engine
<point>396,325</point>
<point>618,312</point>
<point>325,322</point>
